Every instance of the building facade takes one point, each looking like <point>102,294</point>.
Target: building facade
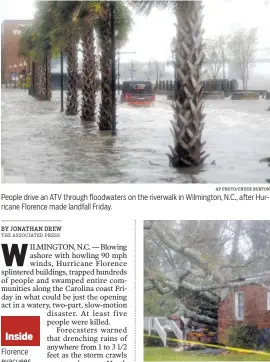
<point>249,304</point>
<point>11,31</point>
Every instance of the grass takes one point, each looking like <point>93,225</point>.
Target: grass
<point>168,354</point>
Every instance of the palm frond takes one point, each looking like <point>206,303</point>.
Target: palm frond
<point>145,7</point>
<point>123,23</point>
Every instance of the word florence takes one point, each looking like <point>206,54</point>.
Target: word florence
<point>58,207</point>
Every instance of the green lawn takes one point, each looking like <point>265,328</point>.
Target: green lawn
<point>167,354</point>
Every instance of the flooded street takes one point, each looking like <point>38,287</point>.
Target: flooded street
<point>41,145</point>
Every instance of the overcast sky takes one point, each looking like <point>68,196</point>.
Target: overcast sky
<point>151,35</point>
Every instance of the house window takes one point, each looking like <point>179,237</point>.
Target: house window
<point>268,300</point>
<point>239,306</point>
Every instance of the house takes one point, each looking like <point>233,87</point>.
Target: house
<point>247,301</point>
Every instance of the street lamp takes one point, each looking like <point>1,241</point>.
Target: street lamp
<point>10,76</point>
<point>15,71</point>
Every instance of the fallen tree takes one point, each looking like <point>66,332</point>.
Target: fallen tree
<point>196,267</point>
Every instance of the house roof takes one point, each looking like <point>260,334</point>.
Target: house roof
<point>261,278</point>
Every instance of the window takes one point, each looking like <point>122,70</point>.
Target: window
<point>268,300</point>
<point>239,306</point>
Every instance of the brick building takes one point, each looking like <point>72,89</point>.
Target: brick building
<point>10,37</point>
<point>247,304</point>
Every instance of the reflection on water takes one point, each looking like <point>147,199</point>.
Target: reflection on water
<point>41,145</point>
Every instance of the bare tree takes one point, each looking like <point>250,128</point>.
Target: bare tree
<point>242,47</point>
<point>213,60</point>
<point>222,42</point>
<point>215,56</point>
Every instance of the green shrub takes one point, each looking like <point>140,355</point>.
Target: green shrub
<point>27,82</point>
<point>153,340</point>
<point>243,336</point>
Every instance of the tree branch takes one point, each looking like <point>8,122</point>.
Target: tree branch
<point>196,317</point>
<point>188,253</point>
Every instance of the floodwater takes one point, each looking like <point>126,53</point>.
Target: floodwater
<point>42,145</point>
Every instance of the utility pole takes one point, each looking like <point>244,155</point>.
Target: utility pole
<point>46,75</point>
<point>62,82</point>
<point>112,8</point>
<point>132,70</point>
<point>118,65</point>
<point>118,75</point>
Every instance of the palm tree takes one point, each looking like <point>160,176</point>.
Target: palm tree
<point>64,35</point>
<point>41,42</point>
<point>86,14</point>
<point>26,47</point>
<point>106,106</point>
<point>65,22</point>
<point>76,19</point>
<point>72,75</point>
<point>123,24</point>
<point>43,76</point>
<point>32,46</point>
<point>96,15</point>
<point>88,76</point>
<point>188,103</point>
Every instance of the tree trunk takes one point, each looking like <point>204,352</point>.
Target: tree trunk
<point>188,105</point>
<point>49,76</point>
<point>72,73</point>
<point>33,74</point>
<point>214,83</point>
<point>185,311</point>
<point>89,77</point>
<point>39,78</point>
<point>106,106</point>
<point>43,79</point>
<point>46,78</point>
<point>235,242</point>
<point>36,77</point>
